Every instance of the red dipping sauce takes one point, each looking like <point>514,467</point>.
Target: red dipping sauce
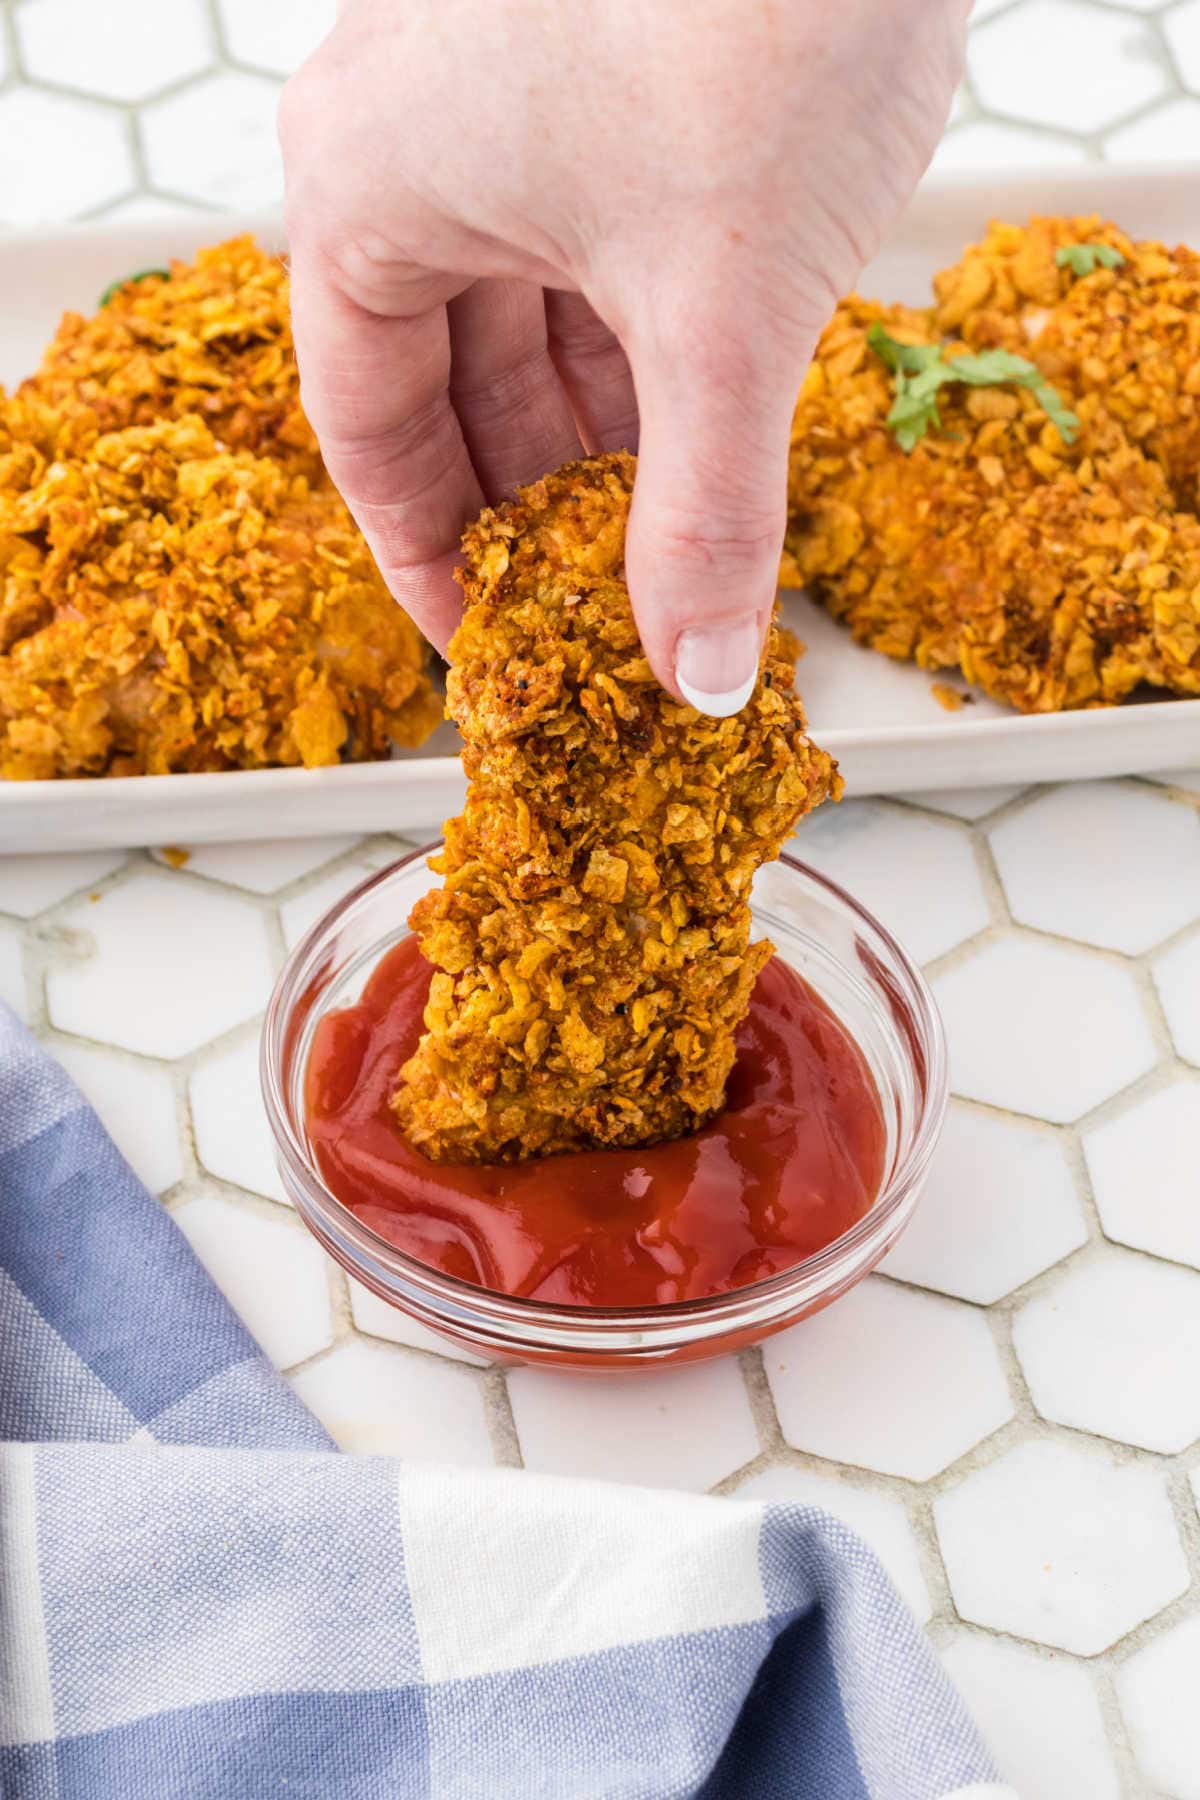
<point>791,1163</point>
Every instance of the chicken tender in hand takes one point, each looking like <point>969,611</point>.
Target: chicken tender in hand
<point>591,940</point>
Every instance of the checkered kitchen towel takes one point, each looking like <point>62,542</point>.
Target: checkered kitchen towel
<point>200,1599</point>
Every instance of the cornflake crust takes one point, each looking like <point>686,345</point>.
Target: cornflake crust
<point>591,940</point>
<point>212,337</point>
<point>1054,575</point>
<point>170,605</point>
<point>1129,334</point>
<point>181,587</point>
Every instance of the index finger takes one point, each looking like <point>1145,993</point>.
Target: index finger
<point>375,385</point>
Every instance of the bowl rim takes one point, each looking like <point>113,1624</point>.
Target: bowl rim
<point>302,965</point>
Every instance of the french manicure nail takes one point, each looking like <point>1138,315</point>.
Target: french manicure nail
<point>716,665</point>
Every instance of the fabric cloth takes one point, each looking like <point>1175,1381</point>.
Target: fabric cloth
<point>201,1600</point>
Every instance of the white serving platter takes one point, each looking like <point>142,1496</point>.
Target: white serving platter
<point>879,718</point>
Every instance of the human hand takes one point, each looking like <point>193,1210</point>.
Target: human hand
<point>522,230</point>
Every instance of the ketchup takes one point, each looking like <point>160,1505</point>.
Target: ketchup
<point>792,1161</point>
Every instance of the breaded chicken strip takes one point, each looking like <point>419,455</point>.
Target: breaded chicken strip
<point>166,604</point>
<point>213,337</point>
<point>1129,334</point>
<point>181,588</point>
<point>592,937</point>
<point>1054,575</point>
<point>1001,289</point>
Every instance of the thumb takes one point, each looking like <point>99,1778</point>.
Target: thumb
<point>706,526</point>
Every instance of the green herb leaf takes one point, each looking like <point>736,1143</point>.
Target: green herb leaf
<point>990,368</point>
<point>114,287</point>
<point>911,416</point>
<point>907,359</point>
<point>1061,417</point>
<point>922,369</point>
<point>1082,259</point>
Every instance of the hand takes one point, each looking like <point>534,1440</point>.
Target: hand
<point>522,230</point>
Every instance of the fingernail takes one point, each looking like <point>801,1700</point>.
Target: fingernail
<point>716,666</point>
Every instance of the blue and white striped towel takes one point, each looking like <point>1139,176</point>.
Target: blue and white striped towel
<point>200,1600</point>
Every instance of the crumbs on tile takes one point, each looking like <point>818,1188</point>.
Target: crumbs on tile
<point>178,859</point>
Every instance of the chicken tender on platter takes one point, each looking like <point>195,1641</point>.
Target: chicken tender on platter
<point>212,337</point>
<point>169,604</point>
<point>1100,314</point>
<point>1130,337</point>
<point>1001,290</point>
<point>591,940</point>
<point>1014,531</point>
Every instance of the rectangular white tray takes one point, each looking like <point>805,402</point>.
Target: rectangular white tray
<point>879,718</point>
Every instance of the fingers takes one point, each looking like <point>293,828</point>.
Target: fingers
<point>595,372</point>
<point>515,416</point>
<point>706,528</point>
<point>375,387</point>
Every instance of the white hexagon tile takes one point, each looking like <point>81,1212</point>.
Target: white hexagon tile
<point>123,50</point>
<point>1040,1715</point>
<point>1062,1545</point>
<point>892,858</point>
<point>679,1428</point>
<point>1177,978</point>
<point>1157,1690</point>
<point>372,1397</point>
<point>1056,861</point>
<point>215,141</point>
<point>1143,1162</point>
<point>1116,62</point>
<point>229,1127</point>
<point>141,967</point>
<point>1112,1346</point>
<point>1041,1028</point>
<point>888,1379</point>
<point>1007,1410</point>
<point>1001,1204</point>
<point>36,181</point>
<point>268,36</point>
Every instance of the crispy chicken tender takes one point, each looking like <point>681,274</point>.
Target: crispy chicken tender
<point>1129,335</point>
<point>181,588</point>
<point>214,338</point>
<point>1053,575</point>
<point>1001,290</point>
<point>168,604</point>
<point>591,940</point>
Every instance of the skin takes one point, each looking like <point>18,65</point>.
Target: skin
<point>526,229</point>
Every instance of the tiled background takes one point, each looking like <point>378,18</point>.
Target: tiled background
<point>174,99</point>
<point>1010,1411</point>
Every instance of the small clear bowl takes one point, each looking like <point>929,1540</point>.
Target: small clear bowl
<point>855,966</point>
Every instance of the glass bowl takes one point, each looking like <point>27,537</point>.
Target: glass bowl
<point>855,966</point>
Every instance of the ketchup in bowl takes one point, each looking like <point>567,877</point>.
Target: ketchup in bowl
<point>795,1158</point>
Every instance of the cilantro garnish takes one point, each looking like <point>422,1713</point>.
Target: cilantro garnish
<point>921,369</point>
<point>1082,259</point>
<point>114,287</point>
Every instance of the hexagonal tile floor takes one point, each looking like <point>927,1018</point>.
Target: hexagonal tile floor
<point>1004,1410</point>
<point>1045,1295</point>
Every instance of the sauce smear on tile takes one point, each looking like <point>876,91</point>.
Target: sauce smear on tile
<point>789,1165</point>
